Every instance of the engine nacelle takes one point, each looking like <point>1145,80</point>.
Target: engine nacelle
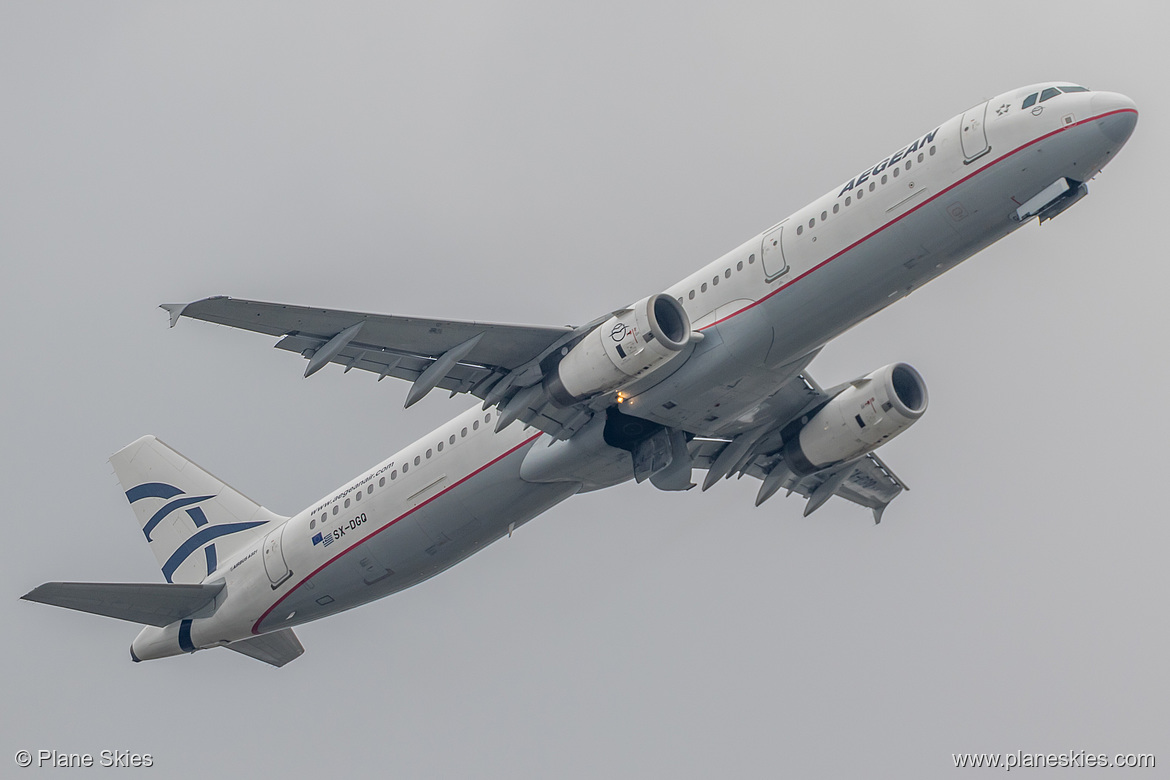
<point>628,345</point>
<point>859,419</point>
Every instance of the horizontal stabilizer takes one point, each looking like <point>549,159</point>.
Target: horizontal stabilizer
<point>154,604</point>
<point>277,648</point>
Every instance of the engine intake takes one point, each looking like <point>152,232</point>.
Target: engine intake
<point>629,345</point>
<point>862,417</point>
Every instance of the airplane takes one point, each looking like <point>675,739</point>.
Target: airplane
<point>709,374</point>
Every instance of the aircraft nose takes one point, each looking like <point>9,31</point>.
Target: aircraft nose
<point>1118,115</point>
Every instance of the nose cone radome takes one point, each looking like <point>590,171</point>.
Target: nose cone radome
<point>1117,115</point>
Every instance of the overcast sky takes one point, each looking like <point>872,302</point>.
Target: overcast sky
<point>528,163</point>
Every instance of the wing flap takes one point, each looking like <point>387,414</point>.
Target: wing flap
<point>866,481</point>
<point>154,604</point>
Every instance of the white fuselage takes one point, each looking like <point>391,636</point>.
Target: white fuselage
<point>765,308</point>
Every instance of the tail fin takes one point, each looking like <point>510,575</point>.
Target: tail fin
<point>182,509</point>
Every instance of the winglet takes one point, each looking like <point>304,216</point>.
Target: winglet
<point>175,310</point>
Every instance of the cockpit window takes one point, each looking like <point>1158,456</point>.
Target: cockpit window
<point>1031,100</point>
<point>1049,93</point>
<point>1073,89</point>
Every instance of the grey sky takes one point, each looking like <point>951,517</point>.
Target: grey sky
<point>528,163</point>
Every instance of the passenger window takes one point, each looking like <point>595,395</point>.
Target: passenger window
<point>1049,93</point>
<point>463,433</point>
<point>703,287</point>
<point>405,468</point>
<point>921,157</point>
<point>812,222</point>
<point>872,186</point>
<point>860,193</point>
<point>452,439</point>
<point>848,199</point>
<point>908,163</point>
<point>439,446</point>
<point>312,524</point>
<point>885,178</point>
<point>475,425</point>
<point>487,417</point>
<point>751,259</point>
<point>358,496</point>
<point>323,516</point>
<point>1030,100</point>
<point>932,150</point>
<point>739,266</point>
<point>824,215</point>
<point>394,474</point>
<point>727,274</point>
<point>691,295</point>
<point>836,207</point>
<point>715,281</point>
<point>896,172</point>
<point>799,230</point>
<point>417,460</point>
<point>369,490</point>
<point>335,509</point>
<point>347,503</point>
<point>382,482</point>
<point>429,453</point>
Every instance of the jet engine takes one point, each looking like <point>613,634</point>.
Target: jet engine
<point>862,417</point>
<point>630,344</point>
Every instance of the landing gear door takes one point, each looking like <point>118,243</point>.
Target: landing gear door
<point>973,134</point>
<point>772,254</point>
<point>274,562</point>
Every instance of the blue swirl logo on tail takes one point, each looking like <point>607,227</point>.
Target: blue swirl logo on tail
<point>205,534</point>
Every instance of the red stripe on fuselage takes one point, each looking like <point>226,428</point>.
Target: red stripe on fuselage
<point>316,571</point>
<point>931,199</point>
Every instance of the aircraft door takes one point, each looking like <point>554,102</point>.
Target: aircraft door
<point>274,563</point>
<point>973,135</point>
<point>772,254</point>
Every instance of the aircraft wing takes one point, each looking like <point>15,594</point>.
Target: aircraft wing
<point>501,364</point>
<point>866,481</point>
<point>488,360</point>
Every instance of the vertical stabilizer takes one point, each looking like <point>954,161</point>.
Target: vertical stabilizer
<point>190,519</point>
